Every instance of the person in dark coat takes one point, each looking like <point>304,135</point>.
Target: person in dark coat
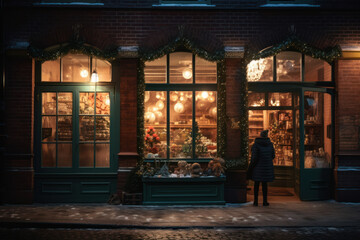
<point>262,155</point>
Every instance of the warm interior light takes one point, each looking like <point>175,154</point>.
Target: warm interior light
<point>204,95</point>
<point>179,107</point>
<point>187,73</point>
<point>160,104</point>
<point>107,101</point>
<point>149,117</point>
<point>84,73</point>
<point>94,77</point>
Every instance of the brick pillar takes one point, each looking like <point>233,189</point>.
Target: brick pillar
<point>18,169</point>
<point>347,169</point>
<point>235,186</point>
<point>128,119</point>
<point>232,106</point>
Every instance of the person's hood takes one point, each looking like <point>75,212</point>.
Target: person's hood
<point>263,141</point>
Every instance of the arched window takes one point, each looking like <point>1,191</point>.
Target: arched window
<point>74,120</point>
<point>180,107</point>
<point>289,67</point>
<point>75,68</point>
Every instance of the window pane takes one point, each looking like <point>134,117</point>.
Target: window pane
<point>48,155</point>
<point>76,68</point>
<point>181,70</point>
<point>205,71</point>
<point>180,124</point>
<point>206,118</point>
<point>155,124</point>
<point>50,71</point>
<point>48,129</point>
<point>280,99</point>
<point>317,123</point>
<point>103,69</point>
<point>155,71</point>
<point>102,155</point>
<point>49,103</point>
<point>280,126</point>
<point>86,128</point>
<point>288,67</point>
<point>65,155</point>
<point>317,70</point>
<point>102,128</point>
<point>65,128</point>
<point>64,103</point>
<point>256,99</point>
<point>86,155</point>
<point>87,103</point>
<point>103,103</point>
<point>260,70</point>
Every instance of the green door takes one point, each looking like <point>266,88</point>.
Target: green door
<point>76,142</point>
<point>316,144</point>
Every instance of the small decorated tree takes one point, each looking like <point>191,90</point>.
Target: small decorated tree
<point>200,147</point>
<point>151,139</point>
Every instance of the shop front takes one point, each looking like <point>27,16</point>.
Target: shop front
<point>291,95</point>
<point>76,132</point>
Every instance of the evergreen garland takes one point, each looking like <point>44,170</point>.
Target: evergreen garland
<point>183,42</point>
<point>291,43</point>
<point>73,47</point>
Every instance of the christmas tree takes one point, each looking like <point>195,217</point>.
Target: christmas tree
<point>200,147</point>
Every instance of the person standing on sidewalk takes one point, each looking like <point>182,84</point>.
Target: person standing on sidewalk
<point>261,168</point>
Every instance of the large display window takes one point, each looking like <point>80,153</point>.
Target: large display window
<point>180,107</point>
<point>76,135</point>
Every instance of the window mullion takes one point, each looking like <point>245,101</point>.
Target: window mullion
<point>193,124</point>
<point>56,134</point>
<point>274,69</point>
<point>94,140</point>
<point>168,124</point>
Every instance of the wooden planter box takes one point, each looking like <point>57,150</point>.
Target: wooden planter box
<point>179,191</point>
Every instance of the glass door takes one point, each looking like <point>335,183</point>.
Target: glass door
<point>316,137</point>
<point>76,143</point>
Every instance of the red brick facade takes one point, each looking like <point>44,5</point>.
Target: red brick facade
<point>132,23</point>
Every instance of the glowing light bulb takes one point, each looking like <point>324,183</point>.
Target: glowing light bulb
<point>160,104</point>
<point>204,95</point>
<point>187,73</point>
<point>107,101</point>
<point>94,77</point>
<point>179,107</point>
<point>84,73</point>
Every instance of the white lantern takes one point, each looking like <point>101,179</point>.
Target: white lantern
<point>179,107</point>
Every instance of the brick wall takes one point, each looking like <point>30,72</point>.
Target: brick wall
<point>49,26</point>
<point>232,107</point>
<point>19,98</point>
<point>348,102</point>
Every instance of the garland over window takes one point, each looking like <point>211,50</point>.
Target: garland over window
<point>294,43</point>
<point>74,46</point>
<point>182,42</point>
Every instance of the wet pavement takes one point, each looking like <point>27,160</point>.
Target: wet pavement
<point>285,218</point>
<point>282,212</point>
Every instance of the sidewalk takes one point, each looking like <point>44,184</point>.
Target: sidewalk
<point>282,212</point>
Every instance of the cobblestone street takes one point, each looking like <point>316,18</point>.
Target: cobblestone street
<point>317,233</point>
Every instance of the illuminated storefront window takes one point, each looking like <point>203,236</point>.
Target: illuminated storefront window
<point>180,107</point>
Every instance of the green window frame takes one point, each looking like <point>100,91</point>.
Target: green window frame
<point>192,87</point>
<point>303,68</point>
<point>103,139</point>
